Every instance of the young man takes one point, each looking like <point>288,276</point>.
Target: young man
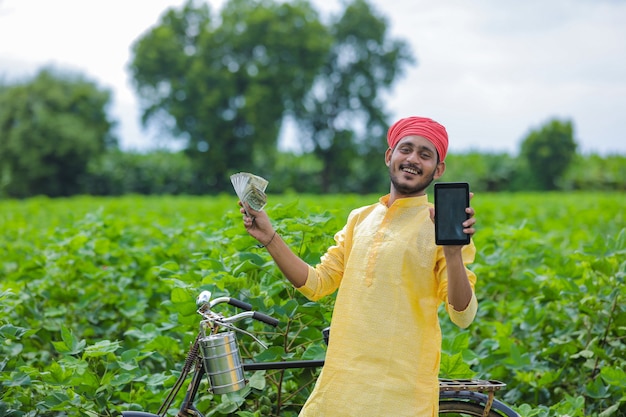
<point>385,344</point>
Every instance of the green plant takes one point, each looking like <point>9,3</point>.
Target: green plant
<point>97,303</point>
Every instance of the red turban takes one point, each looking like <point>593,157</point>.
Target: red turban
<point>420,126</point>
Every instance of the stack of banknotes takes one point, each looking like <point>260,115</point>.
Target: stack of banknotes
<point>250,189</point>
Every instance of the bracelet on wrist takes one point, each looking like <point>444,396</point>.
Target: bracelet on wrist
<point>270,241</point>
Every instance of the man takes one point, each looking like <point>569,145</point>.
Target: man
<point>385,344</point>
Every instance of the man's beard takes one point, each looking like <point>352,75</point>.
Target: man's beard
<point>406,189</point>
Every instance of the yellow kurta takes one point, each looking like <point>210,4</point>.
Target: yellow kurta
<point>385,339</point>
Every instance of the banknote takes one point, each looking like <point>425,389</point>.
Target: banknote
<point>250,189</point>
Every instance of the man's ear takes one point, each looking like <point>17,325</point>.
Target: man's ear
<point>388,153</point>
<point>441,168</point>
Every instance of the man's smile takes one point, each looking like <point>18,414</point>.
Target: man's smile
<point>410,169</point>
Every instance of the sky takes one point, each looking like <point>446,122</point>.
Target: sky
<point>489,71</point>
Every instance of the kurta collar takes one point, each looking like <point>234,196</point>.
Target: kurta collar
<point>405,202</point>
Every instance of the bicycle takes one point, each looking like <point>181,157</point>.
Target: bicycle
<point>215,353</point>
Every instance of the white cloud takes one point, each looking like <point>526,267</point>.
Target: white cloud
<point>492,71</point>
<point>489,71</point>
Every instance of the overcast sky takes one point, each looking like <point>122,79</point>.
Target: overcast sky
<point>490,71</point>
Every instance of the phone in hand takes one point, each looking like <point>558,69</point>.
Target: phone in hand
<point>451,200</point>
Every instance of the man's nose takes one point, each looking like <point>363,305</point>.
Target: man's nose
<point>413,157</point>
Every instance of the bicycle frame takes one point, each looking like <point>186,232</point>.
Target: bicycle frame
<point>477,392</point>
<point>472,391</point>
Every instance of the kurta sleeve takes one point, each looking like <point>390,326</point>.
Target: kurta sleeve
<point>464,318</point>
<point>325,277</point>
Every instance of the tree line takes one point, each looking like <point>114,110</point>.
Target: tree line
<point>224,85</point>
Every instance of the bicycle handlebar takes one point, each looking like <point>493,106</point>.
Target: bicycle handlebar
<point>265,319</point>
<point>247,314</point>
<point>257,316</point>
<point>205,299</point>
<point>239,304</point>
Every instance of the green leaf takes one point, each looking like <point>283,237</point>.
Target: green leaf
<point>257,381</point>
<point>157,379</point>
<point>58,375</point>
<point>169,266</point>
<point>210,264</point>
<point>184,301</point>
<point>245,267</point>
<point>615,376</point>
<point>314,352</point>
<point>527,411</point>
<point>272,354</point>
<point>55,399</point>
<point>70,344</point>
<point>596,389</point>
<point>15,379</point>
<point>458,344</point>
<point>245,414</point>
<point>611,411</point>
<point>8,331</point>
<point>122,379</point>
<point>226,407</point>
<point>453,367</point>
<point>101,348</point>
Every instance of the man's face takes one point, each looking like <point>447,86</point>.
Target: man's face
<point>413,165</point>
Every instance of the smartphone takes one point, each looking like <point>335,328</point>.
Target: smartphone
<point>451,200</point>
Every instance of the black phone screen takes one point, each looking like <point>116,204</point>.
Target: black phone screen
<point>451,200</point>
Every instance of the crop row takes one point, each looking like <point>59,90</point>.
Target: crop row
<point>97,300</point>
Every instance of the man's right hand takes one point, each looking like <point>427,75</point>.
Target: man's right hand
<point>257,223</point>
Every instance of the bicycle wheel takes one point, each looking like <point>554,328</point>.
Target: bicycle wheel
<point>459,408</point>
<point>471,403</point>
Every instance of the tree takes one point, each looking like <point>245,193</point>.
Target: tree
<point>225,85</point>
<point>549,151</point>
<point>50,128</point>
<point>343,115</point>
